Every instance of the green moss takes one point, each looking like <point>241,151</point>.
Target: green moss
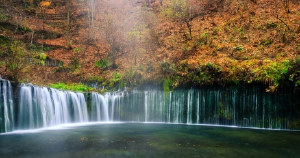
<point>79,87</point>
<point>166,85</point>
<point>121,85</point>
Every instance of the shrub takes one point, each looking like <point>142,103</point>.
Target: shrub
<point>116,77</point>
<point>14,54</point>
<point>260,27</point>
<point>164,65</point>
<point>239,48</point>
<point>75,64</point>
<point>270,25</point>
<point>272,72</point>
<point>265,42</point>
<point>46,48</point>
<point>102,63</point>
<point>149,67</point>
<point>203,38</point>
<point>167,68</point>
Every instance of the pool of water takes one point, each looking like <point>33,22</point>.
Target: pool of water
<point>149,140</point>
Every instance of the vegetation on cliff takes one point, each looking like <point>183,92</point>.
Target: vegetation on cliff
<point>124,43</point>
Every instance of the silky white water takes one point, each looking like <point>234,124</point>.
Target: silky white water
<point>6,107</point>
<point>41,107</point>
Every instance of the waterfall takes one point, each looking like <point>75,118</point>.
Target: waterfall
<point>61,107</point>
<point>198,109</point>
<point>105,107</point>
<point>44,107</point>
<point>237,106</point>
<point>190,106</point>
<point>146,106</point>
<point>39,107</point>
<point>6,107</point>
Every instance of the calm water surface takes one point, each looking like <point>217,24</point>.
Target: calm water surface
<point>150,140</point>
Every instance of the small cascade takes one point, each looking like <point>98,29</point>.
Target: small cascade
<point>106,107</point>
<point>43,107</point>
<point>6,107</point>
<point>190,106</point>
<point>146,106</point>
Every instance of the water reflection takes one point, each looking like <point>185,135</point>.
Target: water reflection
<point>151,140</point>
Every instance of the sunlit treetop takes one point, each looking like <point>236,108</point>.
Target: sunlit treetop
<point>44,4</point>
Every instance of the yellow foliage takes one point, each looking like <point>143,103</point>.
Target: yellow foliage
<point>45,4</point>
<point>31,2</point>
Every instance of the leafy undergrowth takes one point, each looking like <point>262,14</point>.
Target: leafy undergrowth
<point>78,87</point>
<point>273,73</point>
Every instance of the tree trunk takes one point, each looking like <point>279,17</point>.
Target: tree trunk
<point>68,46</point>
<point>190,29</point>
<point>287,6</point>
<point>43,30</point>
<point>32,35</point>
<point>148,3</point>
<point>91,18</point>
<point>114,66</point>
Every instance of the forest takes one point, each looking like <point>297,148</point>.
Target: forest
<point>72,44</point>
<point>149,78</point>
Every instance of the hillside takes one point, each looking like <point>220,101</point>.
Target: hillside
<point>119,43</point>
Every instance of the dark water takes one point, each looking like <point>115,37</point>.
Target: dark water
<point>150,140</point>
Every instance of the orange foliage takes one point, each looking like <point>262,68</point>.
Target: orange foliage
<point>44,4</point>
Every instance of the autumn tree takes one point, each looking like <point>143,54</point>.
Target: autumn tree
<point>112,36</point>
<point>43,5</point>
<point>182,11</point>
<point>276,12</point>
<point>141,32</point>
<point>12,51</point>
<point>91,18</point>
<point>149,19</point>
<point>135,36</point>
<point>14,58</point>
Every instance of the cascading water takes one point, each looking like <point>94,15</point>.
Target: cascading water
<point>6,107</point>
<point>244,107</point>
<point>106,107</point>
<point>43,107</point>
<point>235,106</point>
